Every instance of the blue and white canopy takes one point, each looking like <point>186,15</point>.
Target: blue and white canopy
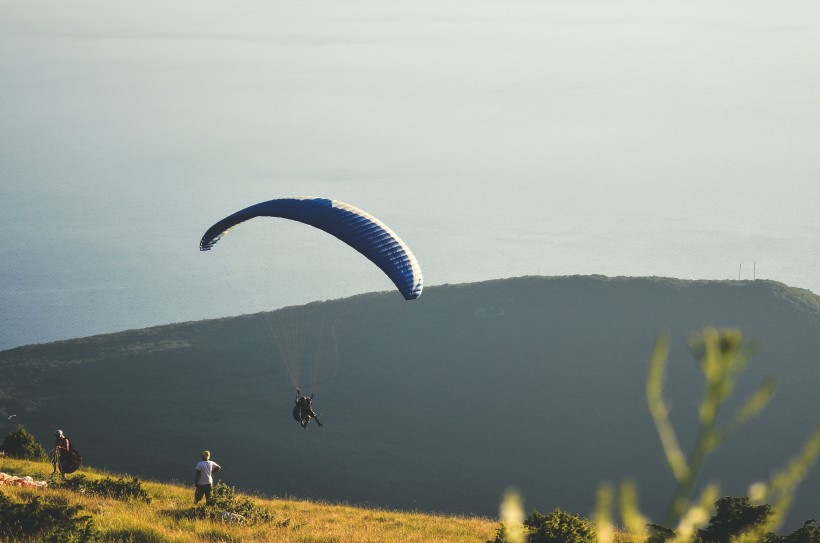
<point>359,229</point>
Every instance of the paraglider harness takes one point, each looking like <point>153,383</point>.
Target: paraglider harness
<point>68,461</point>
<point>303,410</point>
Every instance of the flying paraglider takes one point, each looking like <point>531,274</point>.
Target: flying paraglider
<point>362,231</point>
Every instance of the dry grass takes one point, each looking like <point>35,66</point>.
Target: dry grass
<point>168,518</point>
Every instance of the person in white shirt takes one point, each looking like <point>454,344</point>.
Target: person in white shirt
<point>204,480</point>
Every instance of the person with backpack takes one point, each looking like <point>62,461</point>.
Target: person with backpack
<point>61,447</point>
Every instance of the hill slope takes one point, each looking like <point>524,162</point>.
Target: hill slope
<point>169,517</point>
<point>437,404</point>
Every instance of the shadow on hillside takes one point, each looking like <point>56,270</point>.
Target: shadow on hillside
<point>141,535</point>
<point>182,513</point>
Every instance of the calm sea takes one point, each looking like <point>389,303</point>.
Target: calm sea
<point>498,139</point>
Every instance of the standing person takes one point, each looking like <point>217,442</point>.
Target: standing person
<point>204,480</point>
<point>61,448</point>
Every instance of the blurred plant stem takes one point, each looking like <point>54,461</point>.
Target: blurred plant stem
<point>512,517</point>
<point>722,356</point>
<point>782,485</point>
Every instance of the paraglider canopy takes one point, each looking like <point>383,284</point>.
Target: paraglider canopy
<point>362,231</point>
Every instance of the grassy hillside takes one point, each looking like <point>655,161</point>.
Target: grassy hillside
<point>169,518</point>
<point>437,404</point>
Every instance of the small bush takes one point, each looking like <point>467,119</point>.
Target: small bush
<point>732,517</point>
<point>227,506</point>
<point>659,534</point>
<point>556,527</point>
<point>21,444</point>
<point>42,520</point>
<point>118,489</point>
<point>559,527</point>
<point>809,533</point>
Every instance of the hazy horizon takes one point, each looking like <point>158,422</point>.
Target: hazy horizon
<point>497,139</point>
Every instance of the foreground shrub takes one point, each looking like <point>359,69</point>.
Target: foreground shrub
<point>228,507</point>
<point>21,444</point>
<point>737,520</point>
<point>118,489</point>
<point>43,520</point>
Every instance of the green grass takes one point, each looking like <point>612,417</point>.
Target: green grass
<point>169,517</point>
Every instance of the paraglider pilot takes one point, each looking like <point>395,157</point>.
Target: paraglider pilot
<point>303,411</point>
<point>61,448</point>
